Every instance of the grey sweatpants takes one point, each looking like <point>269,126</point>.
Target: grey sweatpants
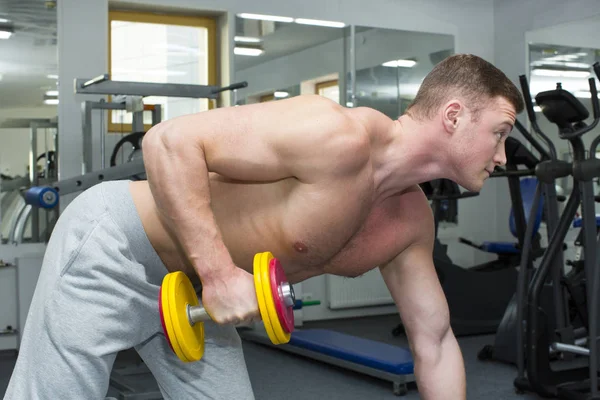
<point>97,294</point>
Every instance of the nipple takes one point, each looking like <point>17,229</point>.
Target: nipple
<point>300,247</point>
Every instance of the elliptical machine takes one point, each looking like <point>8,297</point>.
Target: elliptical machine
<point>536,344</point>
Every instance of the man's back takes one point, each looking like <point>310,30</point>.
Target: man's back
<point>335,223</point>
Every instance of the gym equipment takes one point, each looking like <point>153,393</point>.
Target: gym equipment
<point>181,315</point>
<point>129,96</point>
<point>135,154</point>
<point>135,140</point>
<point>536,344</point>
<point>377,359</point>
<point>41,196</point>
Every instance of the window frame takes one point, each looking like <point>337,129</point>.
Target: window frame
<point>209,23</point>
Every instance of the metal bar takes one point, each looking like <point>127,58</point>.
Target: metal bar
<point>93,81</point>
<point>33,173</point>
<point>569,348</point>
<point>85,181</point>
<point>87,108</point>
<point>156,114</point>
<point>14,184</point>
<point>137,123</point>
<point>147,89</point>
<point>197,314</point>
<point>561,311</point>
<point>353,65</point>
<point>522,278</point>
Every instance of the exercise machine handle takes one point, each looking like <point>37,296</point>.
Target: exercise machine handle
<point>550,170</point>
<point>235,86</point>
<point>532,117</point>
<point>500,172</point>
<point>527,97</point>
<point>93,81</point>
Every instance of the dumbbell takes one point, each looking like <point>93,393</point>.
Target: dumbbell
<point>182,317</point>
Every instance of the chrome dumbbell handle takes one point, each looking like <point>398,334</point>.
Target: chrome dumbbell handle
<point>199,314</point>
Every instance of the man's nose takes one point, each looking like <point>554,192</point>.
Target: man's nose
<point>500,156</point>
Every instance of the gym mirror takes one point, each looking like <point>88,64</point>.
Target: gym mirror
<point>28,108</point>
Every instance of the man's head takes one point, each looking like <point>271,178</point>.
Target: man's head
<point>467,77</point>
<point>474,105</point>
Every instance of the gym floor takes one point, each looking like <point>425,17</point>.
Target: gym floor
<point>276,374</point>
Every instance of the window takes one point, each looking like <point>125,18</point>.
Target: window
<point>146,47</point>
<point>329,89</point>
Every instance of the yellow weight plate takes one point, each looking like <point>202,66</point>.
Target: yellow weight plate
<point>190,339</point>
<point>282,336</point>
<point>167,317</point>
<point>260,260</point>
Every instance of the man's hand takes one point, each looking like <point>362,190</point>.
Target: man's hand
<point>231,299</point>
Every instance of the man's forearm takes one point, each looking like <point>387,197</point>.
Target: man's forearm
<point>440,373</point>
<point>178,178</point>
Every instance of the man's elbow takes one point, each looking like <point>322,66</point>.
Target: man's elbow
<point>165,138</point>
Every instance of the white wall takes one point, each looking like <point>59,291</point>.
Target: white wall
<point>24,113</point>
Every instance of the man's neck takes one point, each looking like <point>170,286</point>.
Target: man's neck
<point>412,152</point>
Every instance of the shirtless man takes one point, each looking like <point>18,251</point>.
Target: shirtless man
<point>325,188</point>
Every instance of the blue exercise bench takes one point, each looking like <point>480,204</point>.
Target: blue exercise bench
<point>377,359</point>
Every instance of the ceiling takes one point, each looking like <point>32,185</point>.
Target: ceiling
<point>281,39</point>
<point>30,54</point>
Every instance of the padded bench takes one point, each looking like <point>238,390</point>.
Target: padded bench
<point>377,359</point>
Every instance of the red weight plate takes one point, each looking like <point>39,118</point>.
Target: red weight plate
<point>285,314</point>
<point>162,317</point>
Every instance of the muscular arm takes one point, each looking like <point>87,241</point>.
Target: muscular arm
<point>414,285</point>
<point>308,138</point>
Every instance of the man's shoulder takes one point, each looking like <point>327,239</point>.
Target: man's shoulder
<point>414,213</point>
<point>373,120</point>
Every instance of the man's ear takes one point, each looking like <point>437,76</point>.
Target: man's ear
<point>451,113</point>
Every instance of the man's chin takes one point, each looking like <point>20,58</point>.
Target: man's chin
<point>473,186</point>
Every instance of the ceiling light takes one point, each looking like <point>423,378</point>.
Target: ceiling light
<point>51,102</point>
<point>247,51</point>
<point>330,24</point>
<point>52,76</point>
<point>3,20</point>
<point>559,73</point>
<point>400,63</point>
<point>246,39</point>
<point>280,94</point>
<point>266,17</point>
<point>52,93</point>
<point>4,33</point>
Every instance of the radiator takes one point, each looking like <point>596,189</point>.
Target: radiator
<point>366,290</point>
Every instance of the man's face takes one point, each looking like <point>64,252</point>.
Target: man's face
<point>482,143</point>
